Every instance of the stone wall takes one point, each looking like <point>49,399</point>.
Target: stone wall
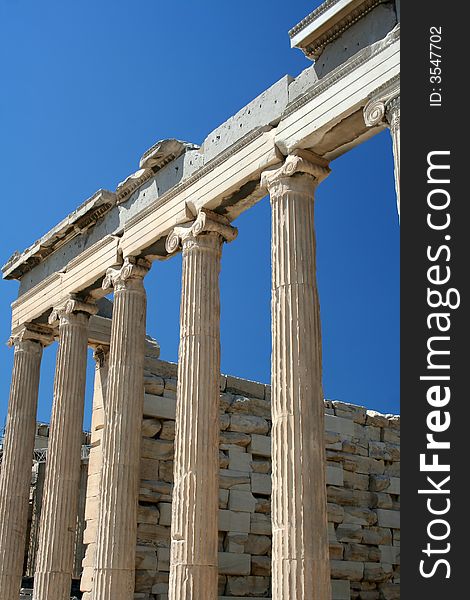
<point>363,492</point>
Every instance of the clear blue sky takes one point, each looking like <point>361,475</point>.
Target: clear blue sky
<point>87,87</point>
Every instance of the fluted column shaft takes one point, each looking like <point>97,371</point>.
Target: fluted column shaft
<point>194,527</point>
<point>300,555</point>
<point>392,115</point>
<point>114,567</point>
<point>15,470</point>
<point>54,566</point>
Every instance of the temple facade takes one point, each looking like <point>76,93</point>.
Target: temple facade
<point>184,199</point>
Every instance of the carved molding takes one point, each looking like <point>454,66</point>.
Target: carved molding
<point>133,269</point>
<point>101,355</point>
<point>314,50</point>
<point>206,222</point>
<point>299,161</point>
<point>343,70</point>
<point>34,333</point>
<point>74,305</point>
<point>383,100</point>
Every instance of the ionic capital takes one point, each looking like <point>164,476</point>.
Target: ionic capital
<point>33,336</point>
<point>71,309</point>
<point>207,222</point>
<point>132,272</point>
<point>298,162</point>
<point>383,104</point>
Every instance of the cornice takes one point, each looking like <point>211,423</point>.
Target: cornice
<point>76,223</point>
<point>314,49</point>
<point>342,71</point>
<point>312,17</point>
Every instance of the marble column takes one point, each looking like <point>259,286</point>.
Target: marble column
<point>114,566</point>
<point>194,526</point>
<point>384,108</point>
<point>392,115</point>
<point>300,554</point>
<point>54,565</point>
<point>15,471</point>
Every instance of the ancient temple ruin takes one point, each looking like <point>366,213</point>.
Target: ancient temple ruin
<point>268,490</point>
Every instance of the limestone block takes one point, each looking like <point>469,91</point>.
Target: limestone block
<point>378,483</point>
<point>390,554</point>
<point>251,406</point>
<point>347,569</point>
<point>394,422</point>
<point>394,485</point>
<point>261,565</point>
<point>163,557</point>
<point>333,440</point>
<point>356,481</point>
<point>335,513</point>
<point>361,552</point>
<point>260,483</point>
<point>359,516</point>
<point>95,460</point>
<point>260,445</point>
<point>240,461</point>
<point>90,555</point>
<point>234,437</point>
<point>393,469</point>
<point>261,524</point>
<point>252,389</point>
<point>165,513</point>
<point>234,521</point>
<point>223,498</point>
<point>391,435</point>
<point>144,581</point>
<point>340,589</point>
<point>373,433</point>
<point>334,475</point>
<point>160,407</point>
<point>331,532</point>
<point>168,430</point>
<point>148,514</point>
<point>388,518</point>
<point>350,532</point>
<point>228,478</point>
<point>89,535</point>
<point>235,542</point>
<point>377,419</point>
<point>350,411</point>
<point>86,580</point>
<point>248,586</point>
<point>154,491</point>
<point>248,424</point>
<point>157,534</point>
<point>263,505</point>
<point>153,384</point>
<point>161,367</point>
<point>339,425</point>
<point>171,383</point>
<point>146,558</point>
<point>377,536</point>
<point>336,550</point>
<point>241,501</point>
<point>377,572</point>
<point>150,427</point>
<point>165,470</point>
<point>225,400</point>
<point>384,500</point>
<point>258,544</point>
<point>261,466</point>
<point>92,508</point>
<point>353,447</point>
<point>149,468</point>
<point>224,421</point>
<point>93,485</point>
<point>157,449</point>
<point>234,564</point>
